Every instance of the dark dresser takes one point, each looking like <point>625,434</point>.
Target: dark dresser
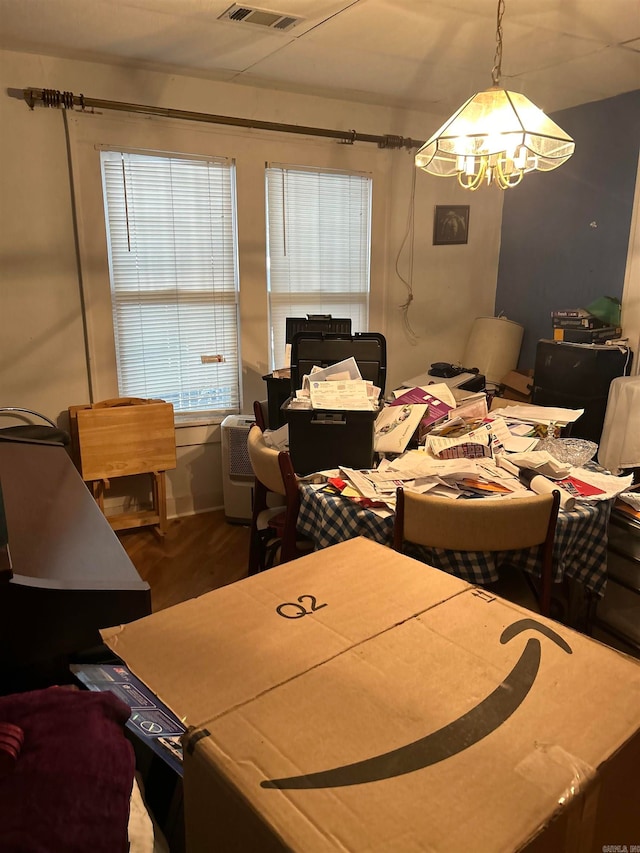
<point>618,613</point>
<point>65,574</point>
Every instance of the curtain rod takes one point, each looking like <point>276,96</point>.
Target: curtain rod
<point>67,100</point>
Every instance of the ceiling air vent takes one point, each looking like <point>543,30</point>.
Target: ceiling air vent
<point>260,17</point>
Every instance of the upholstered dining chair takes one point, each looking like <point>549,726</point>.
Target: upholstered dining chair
<point>273,529</point>
<point>484,525</point>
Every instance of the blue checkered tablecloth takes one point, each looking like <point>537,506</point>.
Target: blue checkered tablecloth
<point>580,546</point>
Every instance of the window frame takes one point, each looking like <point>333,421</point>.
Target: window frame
<point>208,297</point>
<point>250,150</point>
<point>309,298</point>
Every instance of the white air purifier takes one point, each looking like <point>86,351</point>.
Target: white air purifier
<point>237,473</point>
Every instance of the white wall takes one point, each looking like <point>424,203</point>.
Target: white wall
<point>43,364</point>
<point>631,292</point>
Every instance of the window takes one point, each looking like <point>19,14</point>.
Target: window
<point>171,233</point>
<point>318,247</point>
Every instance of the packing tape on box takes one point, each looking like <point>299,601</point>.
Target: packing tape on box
<point>550,766</point>
<point>191,738</point>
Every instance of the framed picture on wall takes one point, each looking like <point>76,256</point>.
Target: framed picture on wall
<point>450,224</point>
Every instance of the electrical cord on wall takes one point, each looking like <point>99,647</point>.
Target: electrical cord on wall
<point>408,281</point>
<point>627,360</point>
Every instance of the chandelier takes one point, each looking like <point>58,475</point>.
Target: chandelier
<point>495,137</point>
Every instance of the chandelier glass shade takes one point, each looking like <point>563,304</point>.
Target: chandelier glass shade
<point>496,137</point>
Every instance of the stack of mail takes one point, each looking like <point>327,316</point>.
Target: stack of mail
<point>337,387</point>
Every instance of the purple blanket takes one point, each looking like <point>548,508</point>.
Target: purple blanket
<point>68,789</point>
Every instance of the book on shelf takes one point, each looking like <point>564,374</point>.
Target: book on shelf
<point>587,336</point>
<point>577,323</point>
<point>570,313</point>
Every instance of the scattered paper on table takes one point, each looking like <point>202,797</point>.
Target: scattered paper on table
<point>544,414</point>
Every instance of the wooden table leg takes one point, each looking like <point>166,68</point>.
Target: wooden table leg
<point>98,488</point>
<point>160,500</point>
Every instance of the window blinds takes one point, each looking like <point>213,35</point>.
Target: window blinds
<point>171,232</point>
<point>318,244</point>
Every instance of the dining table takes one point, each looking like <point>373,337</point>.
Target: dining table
<point>579,551</point>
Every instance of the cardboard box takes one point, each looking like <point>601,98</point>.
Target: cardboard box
<point>517,386</point>
<point>358,700</point>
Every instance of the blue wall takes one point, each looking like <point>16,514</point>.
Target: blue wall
<point>565,233</point>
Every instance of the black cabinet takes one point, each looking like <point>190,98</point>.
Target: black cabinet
<point>618,613</point>
<point>577,376</point>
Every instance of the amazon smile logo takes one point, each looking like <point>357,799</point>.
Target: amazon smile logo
<point>455,737</point>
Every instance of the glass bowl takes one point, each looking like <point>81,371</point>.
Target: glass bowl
<point>572,451</point>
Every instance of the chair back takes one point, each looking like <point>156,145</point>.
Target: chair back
<point>264,461</point>
<point>475,525</point>
<point>481,525</point>
<point>290,481</point>
<point>274,472</point>
<point>261,413</point>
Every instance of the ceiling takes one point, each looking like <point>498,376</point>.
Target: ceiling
<point>424,54</point>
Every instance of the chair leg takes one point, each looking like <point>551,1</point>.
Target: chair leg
<point>591,605</point>
<point>98,488</point>
<point>271,553</point>
<point>256,552</point>
<point>545,598</point>
<point>256,545</point>
<point>289,549</point>
<point>160,501</point>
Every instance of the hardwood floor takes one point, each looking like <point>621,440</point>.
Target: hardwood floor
<point>199,553</point>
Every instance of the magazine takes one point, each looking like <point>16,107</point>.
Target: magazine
<point>395,426</point>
